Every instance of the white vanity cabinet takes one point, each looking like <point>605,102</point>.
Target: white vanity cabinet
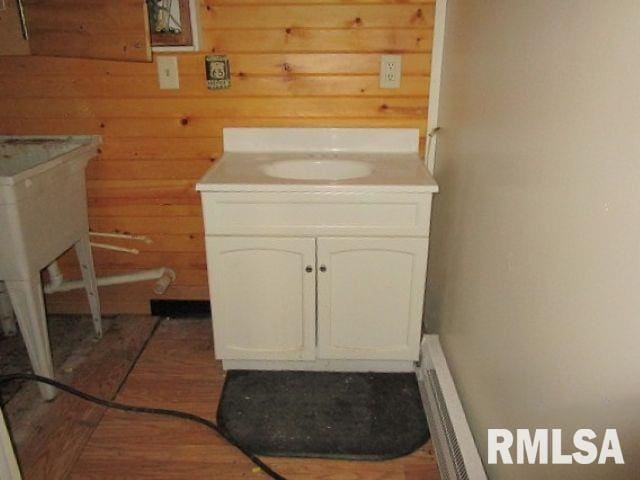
<point>265,297</point>
<point>370,293</point>
<point>315,273</point>
<point>287,298</point>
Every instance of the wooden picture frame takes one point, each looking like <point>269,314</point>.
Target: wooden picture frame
<point>182,39</point>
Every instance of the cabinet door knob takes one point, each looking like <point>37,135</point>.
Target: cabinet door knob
<point>309,268</point>
<point>323,268</point>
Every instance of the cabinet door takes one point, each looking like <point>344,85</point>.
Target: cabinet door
<point>370,297</point>
<point>263,297</point>
<point>88,29</point>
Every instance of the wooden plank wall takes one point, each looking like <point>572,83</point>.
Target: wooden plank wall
<point>294,63</point>
<point>81,28</point>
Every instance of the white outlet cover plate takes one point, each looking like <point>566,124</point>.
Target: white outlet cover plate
<point>390,71</point>
<point>168,77</point>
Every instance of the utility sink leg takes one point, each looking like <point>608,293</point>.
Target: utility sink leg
<point>7,320</point>
<point>83,251</point>
<point>28,303</point>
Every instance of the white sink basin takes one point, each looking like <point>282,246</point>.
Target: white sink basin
<point>317,169</point>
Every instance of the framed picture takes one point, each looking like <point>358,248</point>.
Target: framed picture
<point>170,23</point>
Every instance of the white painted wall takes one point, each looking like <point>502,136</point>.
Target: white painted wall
<point>534,273</point>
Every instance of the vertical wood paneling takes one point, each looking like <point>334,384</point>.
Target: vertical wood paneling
<point>78,28</point>
<point>304,63</point>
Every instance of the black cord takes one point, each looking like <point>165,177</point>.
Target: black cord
<point>153,411</point>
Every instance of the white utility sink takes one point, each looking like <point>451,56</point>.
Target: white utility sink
<point>43,212</point>
<point>317,169</point>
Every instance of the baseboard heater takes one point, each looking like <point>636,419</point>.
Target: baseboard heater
<point>456,451</point>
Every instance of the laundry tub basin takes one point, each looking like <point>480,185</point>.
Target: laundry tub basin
<point>43,200</point>
<point>43,212</point>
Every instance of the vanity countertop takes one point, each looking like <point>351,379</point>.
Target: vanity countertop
<point>390,172</point>
<point>355,159</point>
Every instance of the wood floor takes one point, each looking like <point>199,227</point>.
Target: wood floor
<point>176,370</point>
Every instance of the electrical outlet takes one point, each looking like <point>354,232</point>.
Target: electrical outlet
<point>390,71</point>
<point>168,77</point>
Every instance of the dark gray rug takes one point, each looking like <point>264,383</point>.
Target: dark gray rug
<point>362,416</point>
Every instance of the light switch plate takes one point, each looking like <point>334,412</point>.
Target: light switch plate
<point>390,71</point>
<point>168,77</point>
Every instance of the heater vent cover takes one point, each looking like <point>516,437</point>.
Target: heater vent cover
<point>456,451</point>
